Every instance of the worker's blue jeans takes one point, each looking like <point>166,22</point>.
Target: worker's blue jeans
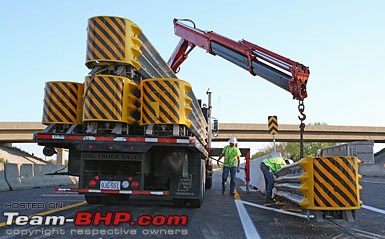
<point>269,181</point>
<point>225,175</point>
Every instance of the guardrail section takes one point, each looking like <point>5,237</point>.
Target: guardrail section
<point>327,186</point>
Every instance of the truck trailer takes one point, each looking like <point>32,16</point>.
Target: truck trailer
<point>132,127</point>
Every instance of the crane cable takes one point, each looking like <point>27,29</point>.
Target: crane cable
<point>301,109</point>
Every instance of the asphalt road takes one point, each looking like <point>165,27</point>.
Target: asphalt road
<point>221,216</point>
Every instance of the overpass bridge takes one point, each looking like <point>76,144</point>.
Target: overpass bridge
<point>290,133</point>
<point>22,132</point>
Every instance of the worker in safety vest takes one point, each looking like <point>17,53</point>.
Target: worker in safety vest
<point>269,167</point>
<point>231,153</point>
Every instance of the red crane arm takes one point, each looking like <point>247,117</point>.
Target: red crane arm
<point>281,71</point>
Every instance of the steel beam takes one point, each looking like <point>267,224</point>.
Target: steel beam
<point>21,132</point>
<point>290,133</point>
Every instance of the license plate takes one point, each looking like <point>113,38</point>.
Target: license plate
<point>110,185</point>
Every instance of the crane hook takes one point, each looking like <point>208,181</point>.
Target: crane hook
<point>301,109</point>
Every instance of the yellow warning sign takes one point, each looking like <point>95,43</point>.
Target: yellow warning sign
<point>273,124</point>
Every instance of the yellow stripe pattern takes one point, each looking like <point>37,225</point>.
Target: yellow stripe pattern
<point>331,183</point>
<point>109,98</point>
<point>164,101</point>
<point>112,39</point>
<point>62,103</point>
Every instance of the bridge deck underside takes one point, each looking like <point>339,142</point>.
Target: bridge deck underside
<point>22,132</point>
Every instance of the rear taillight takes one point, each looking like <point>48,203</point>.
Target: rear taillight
<point>134,185</point>
<point>92,183</point>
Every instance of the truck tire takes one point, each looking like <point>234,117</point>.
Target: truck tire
<point>91,199</point>
<point>209,178</point>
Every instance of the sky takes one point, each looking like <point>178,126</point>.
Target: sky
<point>342,42</point>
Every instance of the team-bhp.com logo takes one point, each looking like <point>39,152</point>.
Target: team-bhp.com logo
<point>84,218</point>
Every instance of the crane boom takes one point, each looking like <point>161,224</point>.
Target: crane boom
<point>281,71</point>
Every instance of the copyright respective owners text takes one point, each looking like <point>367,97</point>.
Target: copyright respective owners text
<point>90,224</point>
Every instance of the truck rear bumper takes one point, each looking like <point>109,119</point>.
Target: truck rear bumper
<point>101,191</point>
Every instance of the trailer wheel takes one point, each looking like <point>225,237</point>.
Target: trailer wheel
<point>91,199</point>
<point>209,177</point>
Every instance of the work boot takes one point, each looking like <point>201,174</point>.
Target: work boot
<point>268,202</point>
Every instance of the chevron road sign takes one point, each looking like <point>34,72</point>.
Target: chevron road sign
<point>273,124</point>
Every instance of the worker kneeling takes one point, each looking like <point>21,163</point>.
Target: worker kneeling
<point>231,153</point>
<point>269,167</point>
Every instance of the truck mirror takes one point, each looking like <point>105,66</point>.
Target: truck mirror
<point>215,127</point>
<point>205,112</point>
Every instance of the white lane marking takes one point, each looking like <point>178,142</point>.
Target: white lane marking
<point>366,234</point>
<point>368,181</point>
<point>374,209</point>
<point>278,210</point>
<point>247,224</point>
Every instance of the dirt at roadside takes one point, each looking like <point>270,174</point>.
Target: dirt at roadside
<point>15,155</point>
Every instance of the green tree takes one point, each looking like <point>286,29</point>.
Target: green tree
<point>292,150</point>
<point>261,152</point>
<point>309,149</point>
<point>280,147</point>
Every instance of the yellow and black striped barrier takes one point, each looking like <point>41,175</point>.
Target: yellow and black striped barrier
<point>164,101</point>
<point>118,53</point>
<point>112,40</point>
<point>109,98</point>
<point>171,101</point>
<point>321,184</point>
<point>62,103</point>
<point>336,183</point>
<point>116,41</point>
